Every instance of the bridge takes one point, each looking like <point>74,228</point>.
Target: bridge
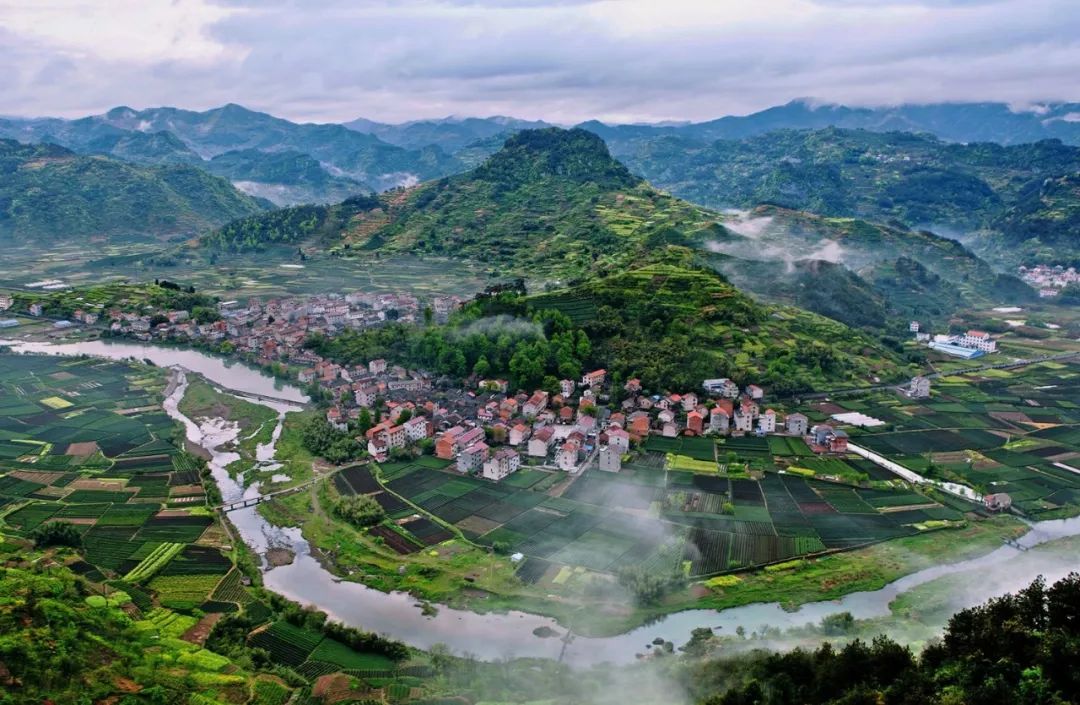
<point>253,501</point>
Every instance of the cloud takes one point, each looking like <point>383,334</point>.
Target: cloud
<point>617,60</point>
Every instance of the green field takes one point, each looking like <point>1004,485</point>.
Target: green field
<point>714,523</point>
<point>1011,431</point>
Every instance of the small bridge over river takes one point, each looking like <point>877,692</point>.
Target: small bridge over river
<point>253,501</point>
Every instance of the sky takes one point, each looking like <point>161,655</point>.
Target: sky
<point>558,60</point>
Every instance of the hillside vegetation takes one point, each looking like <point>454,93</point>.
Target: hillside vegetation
<point>668,321</point>
<point>50,193</point>
<point>914,180</point>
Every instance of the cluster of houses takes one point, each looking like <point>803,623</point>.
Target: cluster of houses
<point>1049,280</point>
<point>491,431</point>
<point>275,330</point>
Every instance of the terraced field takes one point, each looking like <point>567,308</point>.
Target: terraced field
<point>72,450</point>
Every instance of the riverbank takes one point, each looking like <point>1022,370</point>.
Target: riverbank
<point>462,576</point>
<point>490,626</point>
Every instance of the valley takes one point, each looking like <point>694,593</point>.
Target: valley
<point>307,450</point>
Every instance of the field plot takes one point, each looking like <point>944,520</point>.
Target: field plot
<point>1014,433</point>
<point>643,516</point>
<point>67,453</point>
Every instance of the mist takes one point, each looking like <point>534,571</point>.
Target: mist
<point>501,325</point>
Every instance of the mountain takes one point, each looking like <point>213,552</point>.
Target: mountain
<point>343,152</point>
<point>450,134</point>
<point>554,206</point>
<point>551,202</point>
<point>285,178</point>
<point>1041,225</point>
<point>954,122</point>
<point>48,193</point>
<point>824,264</point>
<point>913,180</point>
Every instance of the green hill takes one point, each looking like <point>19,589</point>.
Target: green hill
<point>859,272</point>
<point>553,206</point>
<point>552,203</point>
<point>284,177</point>
<point>915,180</point>
<point>673,322</point>
<point>48,193</point>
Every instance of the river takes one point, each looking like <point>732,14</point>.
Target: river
<point>499,636</point>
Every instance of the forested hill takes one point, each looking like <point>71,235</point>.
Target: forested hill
<point>666,320</point>
<point>551,202</point>
<point>48,193</point>
<point>913,178</point>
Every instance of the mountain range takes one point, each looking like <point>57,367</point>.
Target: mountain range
<point>554,206</point>
<point>49,193</point>
<point>362,154</point>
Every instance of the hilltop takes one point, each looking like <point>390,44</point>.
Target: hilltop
<point>49,193</point>
<point>552,203</point>
<point>554,206</point>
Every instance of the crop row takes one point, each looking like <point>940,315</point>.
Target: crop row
<point>154,562</point>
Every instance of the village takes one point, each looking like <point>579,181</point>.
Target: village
<point>1049,280</point>
<point>491,431</point>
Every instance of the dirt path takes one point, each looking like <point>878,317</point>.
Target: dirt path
<point>202,629</point>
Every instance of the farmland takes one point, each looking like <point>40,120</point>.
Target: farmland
<point>87,444</point>
<point>1003,431</point>
<point>699,522</point>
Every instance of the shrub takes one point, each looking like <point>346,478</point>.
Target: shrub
<point>359,510</point>
<point>56,533</point>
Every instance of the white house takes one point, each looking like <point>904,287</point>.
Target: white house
<point>504,462</point>
<point>767,421</point>
<point>722,386</point>
<point>744,421</point>
<point>610,459</point>
<point>518,434</point>
<point>618,439</point>
<point>416,428</point>
<point>797,424</point>
<point>567,387</point>
<point>472,457</point>
<point>567,456</point>
<point>978,340</point>
<point>689,401</point>
<point>719,420</point>
<point>540,443</point>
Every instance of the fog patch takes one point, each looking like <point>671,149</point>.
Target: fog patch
<point>494,326</point>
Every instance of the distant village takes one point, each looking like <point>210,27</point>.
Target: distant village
<point>486,429</point>
<point>1049,280</point>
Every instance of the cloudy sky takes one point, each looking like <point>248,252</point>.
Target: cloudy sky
<point>560,60</point>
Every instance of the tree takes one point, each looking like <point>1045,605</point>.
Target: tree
<point>56,533</point>
<point>359,510</point>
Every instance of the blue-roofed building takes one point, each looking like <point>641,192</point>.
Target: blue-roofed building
<point>8,323</point>
<point>957,350</point>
